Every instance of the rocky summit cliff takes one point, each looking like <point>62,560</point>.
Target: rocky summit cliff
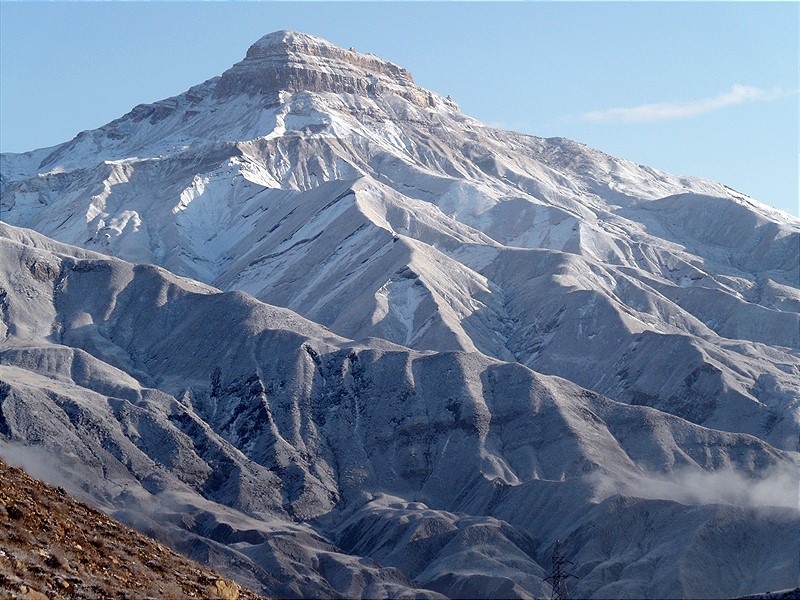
<point>282,62</point>
<point>391,350</point>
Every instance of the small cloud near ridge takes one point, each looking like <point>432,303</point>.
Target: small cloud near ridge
<point>662,111</point>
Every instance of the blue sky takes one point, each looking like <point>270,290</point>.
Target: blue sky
<point>706,89</point>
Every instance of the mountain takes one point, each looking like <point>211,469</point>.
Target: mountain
<point>415,223</point>
<point>552,343</point>
<point>305,464</point>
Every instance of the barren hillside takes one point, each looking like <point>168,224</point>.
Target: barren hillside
<point>56,547</point>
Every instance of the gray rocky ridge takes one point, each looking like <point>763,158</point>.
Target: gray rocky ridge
<point>279,62</point>
<point>476,343</point>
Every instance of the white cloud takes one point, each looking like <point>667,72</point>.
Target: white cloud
<point>776,487</point>
<point>738,94</point>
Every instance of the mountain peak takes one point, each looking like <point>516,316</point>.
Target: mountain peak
<point>292,46</point>
<point>291,61</point>
<point>284,40</point>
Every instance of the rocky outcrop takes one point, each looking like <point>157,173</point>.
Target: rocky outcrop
<point>286,61</point>
<point>52,546</point>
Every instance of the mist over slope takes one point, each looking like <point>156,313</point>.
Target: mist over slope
<point>552,343</point>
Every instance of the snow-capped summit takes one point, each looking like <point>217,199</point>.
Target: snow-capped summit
<point>285,46</point>
<point>287,80</point>
<point>285,41</point>
<point>286,61</point>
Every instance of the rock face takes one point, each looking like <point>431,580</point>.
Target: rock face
<point>554,343</point>
<point>279,62</point>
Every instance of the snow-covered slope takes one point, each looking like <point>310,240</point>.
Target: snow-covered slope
<point>326,182</point>
<point>306,464</point>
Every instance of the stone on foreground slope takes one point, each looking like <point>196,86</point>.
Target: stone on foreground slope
<point>305,464</point>
<point>325,181</point>
<point>55,547</point>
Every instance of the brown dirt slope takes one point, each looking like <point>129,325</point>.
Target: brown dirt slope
<point>52,546</point>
